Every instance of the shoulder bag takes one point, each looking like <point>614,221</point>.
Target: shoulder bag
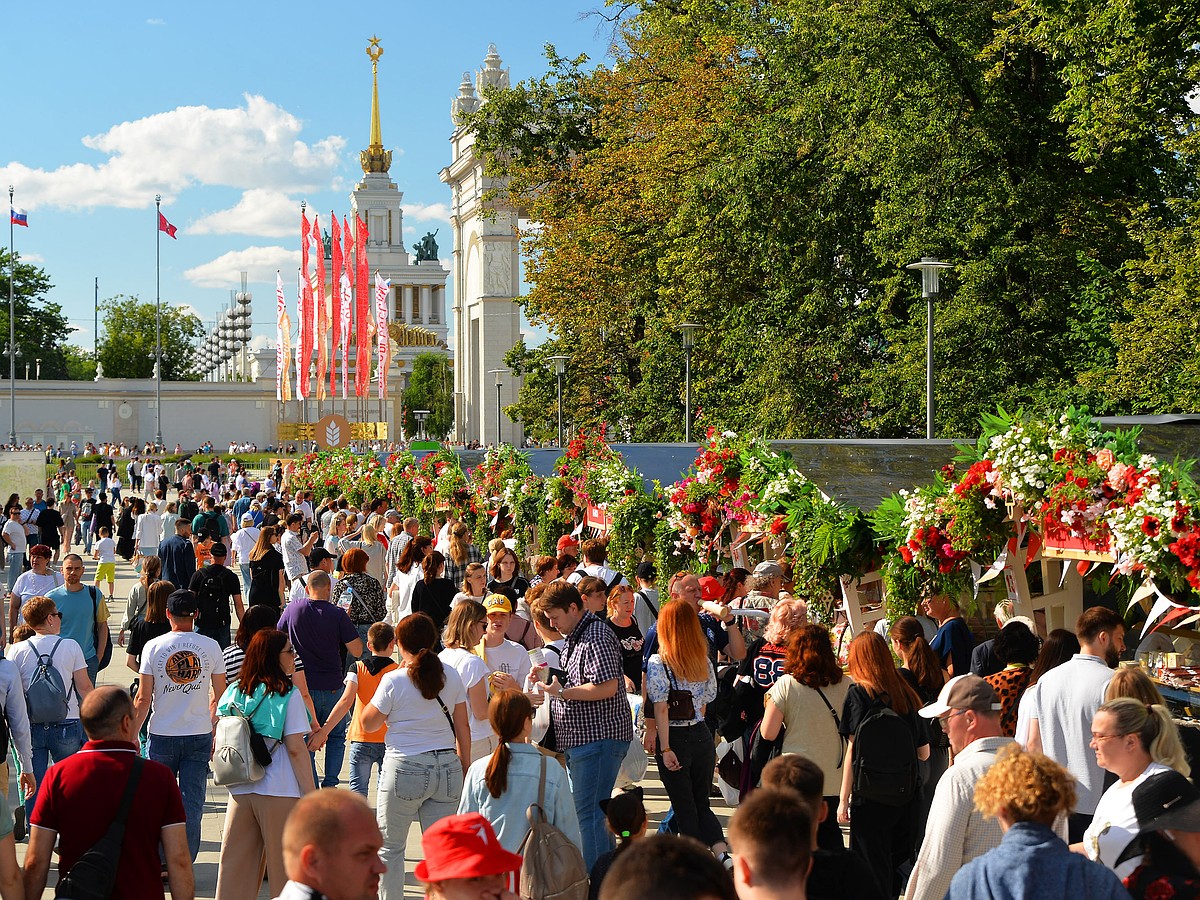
<point>94,874</point>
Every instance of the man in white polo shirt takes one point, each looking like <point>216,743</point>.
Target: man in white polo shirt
<point>184,675</point>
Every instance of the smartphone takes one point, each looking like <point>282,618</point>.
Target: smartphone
<point>560,674</point>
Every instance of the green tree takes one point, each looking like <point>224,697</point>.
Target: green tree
<point>81,364</point>
<point>431,387</point>
<point>41,327</point>
<point>127,348</point>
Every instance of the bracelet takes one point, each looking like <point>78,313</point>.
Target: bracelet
<point>666,750</point>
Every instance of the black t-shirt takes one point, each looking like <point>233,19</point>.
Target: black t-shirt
<point>214,586</point>
<point>433,598</point>
<point>264,578</point>
<point>85,509</point>
<point>631,641</point>
<point>141,633</point>
<point>858,704</point>
<point>102,516</point>
<point>841,875</point>
<point>48,524</point>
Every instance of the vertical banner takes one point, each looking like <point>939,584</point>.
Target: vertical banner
<point>364,321</point>
<point>346,298</point>
<point>304,312</point>
<point>283,343</point>
<point>384,351</point>
<point>335,302</point>
<point>320,310</point>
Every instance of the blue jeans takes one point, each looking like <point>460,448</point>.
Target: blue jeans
<point>87,537</point>
<point>12,561</point>
<point>245,567</point>
<point>593,768</point>
<point>219,633</point>
<point>93,667</point>
<point>335,747</point>
<point>427,786</point>
<point>364,755</point>
<point>187,756</point>
<point>55,739</point>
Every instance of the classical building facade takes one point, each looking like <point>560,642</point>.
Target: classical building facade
<point>487,276</point>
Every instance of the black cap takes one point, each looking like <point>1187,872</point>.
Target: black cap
<point>182,603</point>
<point>218,549</point>
<point>1167,800</point>
<point>646,570</point>
<point>318,556</point>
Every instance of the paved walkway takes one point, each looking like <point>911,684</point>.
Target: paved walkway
<point>214,809</point>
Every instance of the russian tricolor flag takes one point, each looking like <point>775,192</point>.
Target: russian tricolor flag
<point>19,217</point>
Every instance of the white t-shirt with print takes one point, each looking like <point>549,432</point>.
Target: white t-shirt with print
<point>414,724</point>
<point>183,664</point>
<point>472,670</point>
<point>509,657</point>
<point>68,659</point>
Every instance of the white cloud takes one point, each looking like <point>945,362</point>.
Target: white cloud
<point>260,212</point>
<point>35,259</point>
<point>260,262</point>
<point>256,145</point>
<point>156,21</point>
<point>427,212</point>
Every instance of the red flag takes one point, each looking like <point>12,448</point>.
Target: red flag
<point>347,289</point>
<point>364,319</point>
<point>164,225</point>
<point>305,312</point>
<point>321,317</point>
<point>335,306</point>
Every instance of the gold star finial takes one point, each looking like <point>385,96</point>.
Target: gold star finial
<point>374,50</point>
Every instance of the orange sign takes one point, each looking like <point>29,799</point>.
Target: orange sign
<point>332,432</point>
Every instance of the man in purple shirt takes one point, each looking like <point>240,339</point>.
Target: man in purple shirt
<point>322,634</point>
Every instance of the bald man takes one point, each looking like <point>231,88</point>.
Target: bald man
<point>331,846</point>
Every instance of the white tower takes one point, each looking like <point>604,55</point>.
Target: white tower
<point>487,275</point>
<point>418,293</point>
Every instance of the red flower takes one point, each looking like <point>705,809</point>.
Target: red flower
<point>1150,526</point>
<point>1081,482</point>
<point>906,554</point>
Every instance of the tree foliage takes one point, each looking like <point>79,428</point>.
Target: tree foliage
<point>766,168</point>
<point>40,326</point>
<point>127,348</point>
<point>431,387</point>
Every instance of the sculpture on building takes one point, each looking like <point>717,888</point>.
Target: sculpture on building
<point>427,247</point>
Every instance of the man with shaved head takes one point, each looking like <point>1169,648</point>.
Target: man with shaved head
<point>331,848</point>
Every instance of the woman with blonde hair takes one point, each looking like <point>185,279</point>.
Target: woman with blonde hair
<point>464,631</point>
<point>1133,741</point>
<point>629,635</point>
<point>474,584</point>
<point>1028,793</point>
<point>368,541</point>
<point>1131,681</point>
<point>461,553</point>
<point>502,786</point>
<point>150,623</point>
<point>680,683</point>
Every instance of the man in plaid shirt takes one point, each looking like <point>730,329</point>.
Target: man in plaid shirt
<point>593,724</point>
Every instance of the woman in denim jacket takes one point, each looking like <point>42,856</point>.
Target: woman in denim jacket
<point>504,785</point>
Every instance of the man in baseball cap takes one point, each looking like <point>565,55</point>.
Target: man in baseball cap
<point>465,861</point>
<point>968,711</point>
<point>1168,813</point>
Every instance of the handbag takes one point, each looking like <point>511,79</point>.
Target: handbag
<point>681,705</point>
<point>94,874</point>
<point>240,753</point>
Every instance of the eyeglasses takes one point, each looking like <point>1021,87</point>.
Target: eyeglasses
<point>290,650</point>
<point>1100,737</point>
<point>55,615</point>
<point>950,716</point>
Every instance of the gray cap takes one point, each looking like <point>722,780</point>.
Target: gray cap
<point>768,569</point>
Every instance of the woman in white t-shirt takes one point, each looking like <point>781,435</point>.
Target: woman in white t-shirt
<point>37,582</point>
<point>464,630</point>
<point>1133,741</point>
<point>147,531</point>
<point>408,573</point>
<point>428,740</point>
<point>256,812</point>
<point>62,738</point>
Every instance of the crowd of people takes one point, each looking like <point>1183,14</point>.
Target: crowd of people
<point>509,705</point>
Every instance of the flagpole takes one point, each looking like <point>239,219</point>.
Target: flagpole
<point>158,438</point>
<point>12,331</point>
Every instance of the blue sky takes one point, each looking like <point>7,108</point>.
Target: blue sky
<point>234,113</point>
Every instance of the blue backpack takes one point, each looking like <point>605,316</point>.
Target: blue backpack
<point>47,697</point>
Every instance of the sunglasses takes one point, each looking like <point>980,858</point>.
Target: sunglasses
<point>55,615</point>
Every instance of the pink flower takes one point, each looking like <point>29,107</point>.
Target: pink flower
<point>1105,459</point>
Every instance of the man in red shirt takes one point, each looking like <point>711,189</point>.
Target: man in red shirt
<point>80,798</point>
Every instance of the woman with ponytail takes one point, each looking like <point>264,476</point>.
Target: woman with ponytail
<point>625,816</point>
<point>423,705</point>
<point>501,787</point>
<point>1133,741</point>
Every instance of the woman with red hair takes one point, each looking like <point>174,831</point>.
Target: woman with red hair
<point>680,682</point>
<point>882,833</point>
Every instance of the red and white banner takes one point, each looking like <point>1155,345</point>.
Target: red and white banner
<point>304,312</point>
<point>363,321</point>
<point>320,310</point>
<point>335,304</point>
<point>283,343</point>
<point>384,347</point>
<point>347,312</point>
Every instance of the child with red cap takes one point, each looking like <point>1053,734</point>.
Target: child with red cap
<point>465,861</point>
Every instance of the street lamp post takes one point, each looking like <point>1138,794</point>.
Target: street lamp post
<point>499,373</point>
<point>560,368</point>
<point>12,332</point>
<point>421,415</point>
<point>930,268</point>
<point>158,437</point>
<point>688,330</point>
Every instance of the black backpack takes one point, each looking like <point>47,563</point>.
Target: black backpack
<point>211,598</point>
<point>211,528</point>
<point>885,757</point>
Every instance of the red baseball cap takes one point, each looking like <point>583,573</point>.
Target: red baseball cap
<point>463,846</point>
<point>711,588</point>
<point>566,542</point>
